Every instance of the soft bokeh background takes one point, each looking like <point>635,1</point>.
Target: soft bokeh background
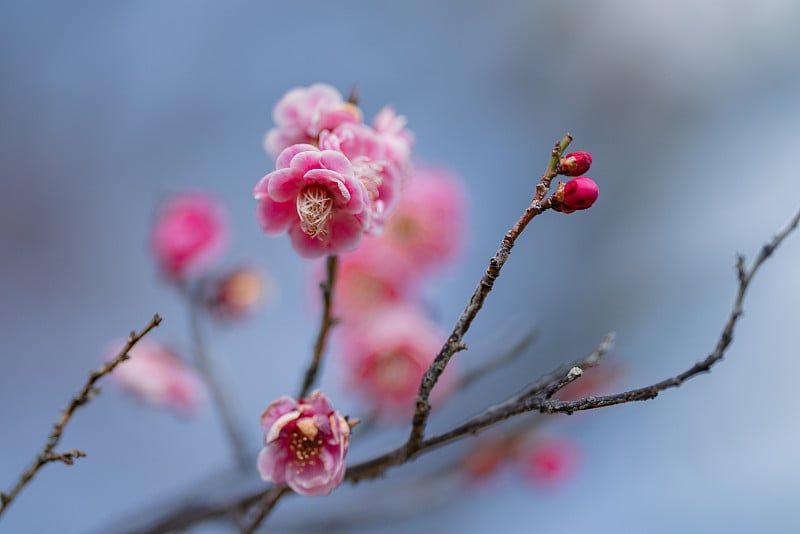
<point>689,108</point>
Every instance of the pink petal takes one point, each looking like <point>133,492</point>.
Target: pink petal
<point>306,246</point>
<point>345,232</point>
<point>332,181</point>
<point>336,161</point>
<point>305,161</point>
<point>276,409</point>
<point>275,217</point>
<point>284,184</point>
<point>319,402</point>
<point>314,480</point>
<point>285,157</point>
<point>272,463</point>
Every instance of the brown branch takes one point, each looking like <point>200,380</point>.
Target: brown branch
<point>454,342</point>
<point>86,394</point>
<point>325,325</point>
<point>243,460</point>
<point>264,508</point>
<point>564,374</point>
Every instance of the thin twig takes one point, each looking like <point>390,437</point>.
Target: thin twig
<point>243,460</point>
<point>325,325</point>
<point>264,508</point>
<point>454,342</point>
<point>86,394</point>
<point>745,276</point>
<point>499,361</point>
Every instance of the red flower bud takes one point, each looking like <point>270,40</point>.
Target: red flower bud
<point>577,194</point>
<point>574,163</point>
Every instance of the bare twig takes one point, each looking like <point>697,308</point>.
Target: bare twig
<point>325,325</point>
<point>85,395</point>
<point>243,460</point>
<point>498,361</point>
<point>454,342</point>
<point>266,505</point>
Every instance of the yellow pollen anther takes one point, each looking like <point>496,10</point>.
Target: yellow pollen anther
<point>314,206</point>
<point>308,428</point>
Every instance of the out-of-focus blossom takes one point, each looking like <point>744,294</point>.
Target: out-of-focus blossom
<point>387,353</point>
<point>305,444</point>
<point>486,456</point>
<point>371,277</point>
<point>190,232</point>
<point>577,194</point>
<point>157,376</point>
<point>548,460</point>
<point>236,294</point>
<point>428,225</point>
<point>395,137</point>
<point>574,163</point>
<point>315,196</point>
<point>304,112</point>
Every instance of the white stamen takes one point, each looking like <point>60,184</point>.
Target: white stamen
<point>314,206</point>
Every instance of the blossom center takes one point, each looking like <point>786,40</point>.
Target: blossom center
<point>304,449</point>
<point>394,370</point>
<point>314,207</point>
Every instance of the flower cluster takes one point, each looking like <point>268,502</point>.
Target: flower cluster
<point>305,444</point>
<point>336,178</point>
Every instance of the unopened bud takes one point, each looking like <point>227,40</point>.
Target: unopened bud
<point>577,194</point>
<point>574,163</point>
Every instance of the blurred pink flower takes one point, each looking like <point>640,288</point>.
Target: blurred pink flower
<point>305,444</point>
<point>387,353</point>
<point>314,195</point>
<point>369,278</point>
<point>157,376</point>
<point>396,139</point>
<point>190,232</point>
<point>429,223</point>
<point>549,460</point>
<point>304,112</point>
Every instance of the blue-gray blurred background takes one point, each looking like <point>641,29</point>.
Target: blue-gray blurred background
<point>690,109</point>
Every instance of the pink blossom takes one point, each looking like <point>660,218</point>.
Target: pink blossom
<point>549,460</point>
<point>314,195</point>
<point>386,355</point>
<point>429,223</point>
<point>305,444</point>
<point>369,278</point>
<point>189,233</point>
<point>304,112</point>
<point>157,376</point>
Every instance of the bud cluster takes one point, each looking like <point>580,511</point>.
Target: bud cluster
<point>580,192</point>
